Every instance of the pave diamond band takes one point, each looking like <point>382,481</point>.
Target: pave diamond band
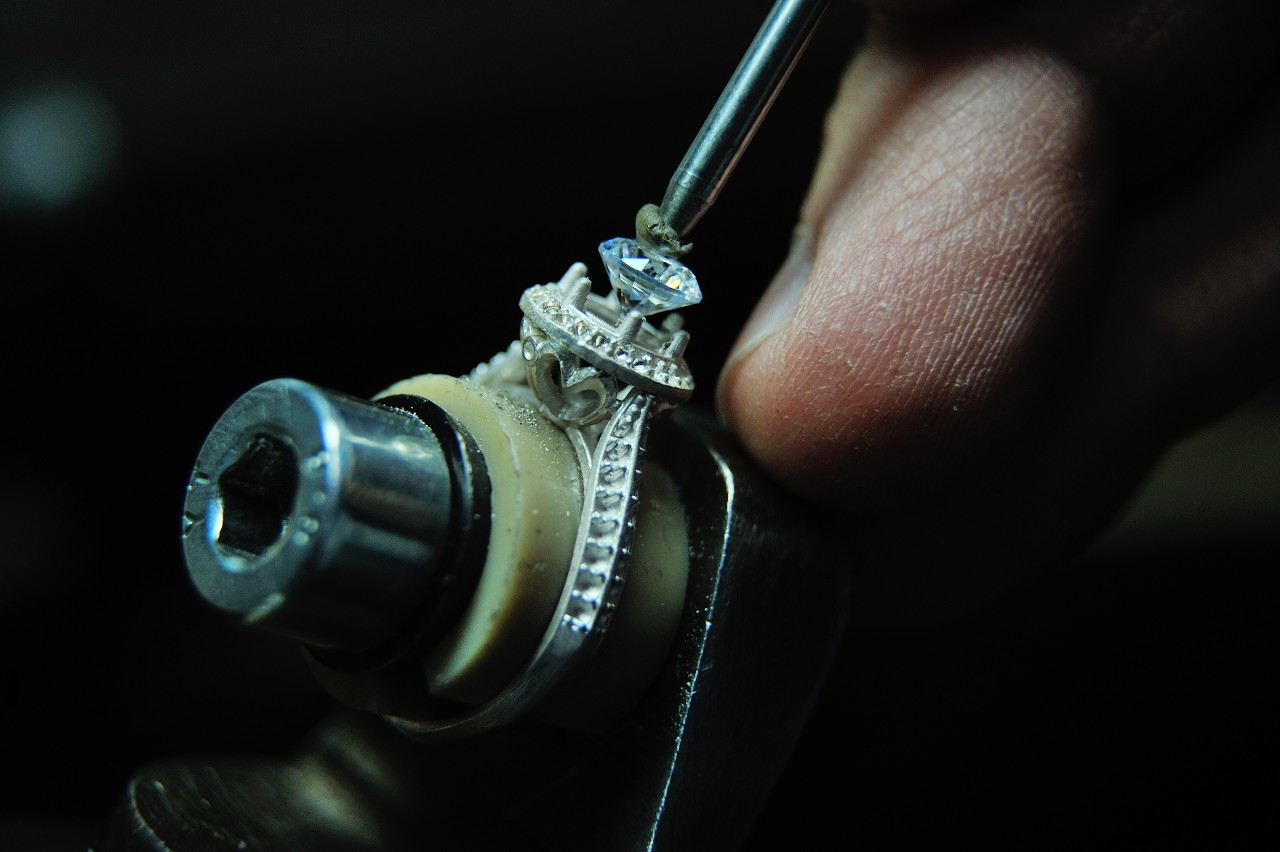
<point>592,587</point>
<point>601,372</point>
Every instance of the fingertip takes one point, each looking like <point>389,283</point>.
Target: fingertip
<point>893,333</point>
<point>778,305</point>
<point>748,371</point>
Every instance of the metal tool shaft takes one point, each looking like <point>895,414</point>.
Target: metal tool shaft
<point>320,516</point>
<point>742,105</point>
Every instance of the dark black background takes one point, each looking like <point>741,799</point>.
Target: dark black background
<point>355,193</point>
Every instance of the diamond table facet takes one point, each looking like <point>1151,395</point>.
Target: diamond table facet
<point>648,284</point>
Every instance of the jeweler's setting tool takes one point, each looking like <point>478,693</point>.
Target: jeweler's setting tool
<point>357,526</point>
<point>350,524</point>
<point>529,569</point>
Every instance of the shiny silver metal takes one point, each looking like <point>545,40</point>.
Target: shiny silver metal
<point>317,515</point>
<point>737,114</point>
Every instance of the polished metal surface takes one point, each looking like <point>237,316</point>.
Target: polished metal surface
<point>317,515</point>
<point>742,105</point>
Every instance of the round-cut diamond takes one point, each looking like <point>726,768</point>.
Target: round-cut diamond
<point>648,285</point>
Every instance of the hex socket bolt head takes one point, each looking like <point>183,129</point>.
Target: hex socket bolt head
<point>317,515</point>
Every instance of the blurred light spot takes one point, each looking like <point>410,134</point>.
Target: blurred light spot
<point>55,145</point>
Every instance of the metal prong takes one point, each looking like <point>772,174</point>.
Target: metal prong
<point>578,293</point>
<point>674,348</point>
<point>629,326</point>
